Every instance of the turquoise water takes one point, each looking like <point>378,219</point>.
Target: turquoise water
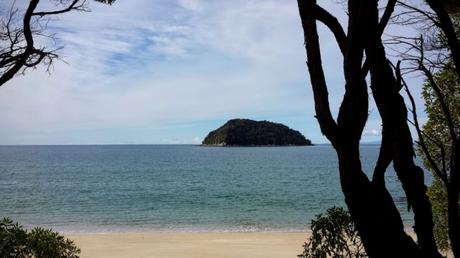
<point>173,187</point>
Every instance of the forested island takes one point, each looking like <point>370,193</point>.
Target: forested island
<point>246,132</point>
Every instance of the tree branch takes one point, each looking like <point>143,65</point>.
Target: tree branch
<point>445,23</point>
<point>442,102</point>
<point>72,6</point>
<point>425,14</point>
<point>323,113</point>
<point>441,173</point>
<point>334,26</point>
<point>22,58</point>
<point>389,9</point>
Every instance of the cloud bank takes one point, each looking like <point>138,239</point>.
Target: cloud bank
<point>162,71</point>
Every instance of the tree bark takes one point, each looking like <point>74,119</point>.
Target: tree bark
<point>453,221</point>
<point>453,211</point>
<point>453,184</point>
<point>448,29</point>
<point>393,112</point>
<point>373,211</point>
<point>371,206</point>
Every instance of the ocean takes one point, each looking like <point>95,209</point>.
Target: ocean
<point>131,188</point>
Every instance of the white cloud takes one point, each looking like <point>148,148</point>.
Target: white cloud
<point>197,140</point>
<point>150,63</point>
<point>191,4</point>
<point>372,132</point>
<point>147,64</point>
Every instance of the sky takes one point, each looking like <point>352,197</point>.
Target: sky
<point>170,71</point>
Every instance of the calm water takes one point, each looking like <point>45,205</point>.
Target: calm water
<point>179,187</point>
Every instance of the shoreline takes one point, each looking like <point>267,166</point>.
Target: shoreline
<point>118,229</point>
<point>190,244</point>
<point>149,229</point>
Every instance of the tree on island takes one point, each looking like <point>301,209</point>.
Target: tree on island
<point>246,132</point>
<point>19,33</point>
<point>371,206</point>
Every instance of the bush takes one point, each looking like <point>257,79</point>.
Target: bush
<point>438,198</point>
<point>333,235</point>
<point>15,241</point>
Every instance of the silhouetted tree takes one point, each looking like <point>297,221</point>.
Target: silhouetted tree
<point>434,55</point>
<point>19,31</point>
<point>452,182</point>
<point>437,142</point>
<point>371,206</point>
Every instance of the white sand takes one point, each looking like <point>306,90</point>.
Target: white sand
<point>190,245</point>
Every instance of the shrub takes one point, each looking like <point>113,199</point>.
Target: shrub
<point>333,235</point>
<point>438,198</point>
<point>16,242</point>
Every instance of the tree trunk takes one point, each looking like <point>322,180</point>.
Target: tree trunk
<point>371,206</point>
<point>448,28</point>
<point>453,202</point>
<point>373,211</point>
<point>393,112</point>
<point>394,116</point>
<point>453,186</point>
<point>453,214</point>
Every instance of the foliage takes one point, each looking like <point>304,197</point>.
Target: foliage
<point>438,198</point>
<point>245,132</point>
<point>436,130</point>
<point>436,126</point>
<point>15,241</point>
<point>333,235</point>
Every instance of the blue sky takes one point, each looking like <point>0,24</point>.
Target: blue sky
<point>169,71</point>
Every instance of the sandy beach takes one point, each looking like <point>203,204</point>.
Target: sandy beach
<point>190,245</point>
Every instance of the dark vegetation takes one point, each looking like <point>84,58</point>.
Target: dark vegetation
<point>439,136</point>
<point>20,32</point>
<point>246,132</point>
<point>333,235</point>
<point>365,60</point>
<point>17,242</point>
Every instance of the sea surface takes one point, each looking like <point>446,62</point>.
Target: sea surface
<point>126,188</point>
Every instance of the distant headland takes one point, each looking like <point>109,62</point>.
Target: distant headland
<point>246,132</point>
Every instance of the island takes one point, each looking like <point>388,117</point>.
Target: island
<point>246,132</point>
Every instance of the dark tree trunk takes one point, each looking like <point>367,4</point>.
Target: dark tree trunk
<point>371,206</point>
<point>373,210</point>
<point>453,184</point>
<point>393,112</point>
<point>454,221</point>
<point>391,108</point>
<point>448,28</point>
<point>453,189</point>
